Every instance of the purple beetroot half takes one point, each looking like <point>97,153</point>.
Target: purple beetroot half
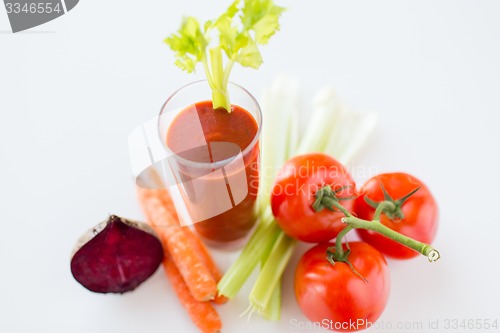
<point>116,256</point>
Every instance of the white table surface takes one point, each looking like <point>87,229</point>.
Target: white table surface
<point>71,91</point>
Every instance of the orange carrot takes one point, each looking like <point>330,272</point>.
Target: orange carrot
<point>202,314</point>
<point>161,215</point>
<point>207,259</point>
<point>199,248</point>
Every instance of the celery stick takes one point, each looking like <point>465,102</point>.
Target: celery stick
<point>271,272</point>
<point>273,309</point>
<point>280,108</point>
<point>325,116</point>
<point>348,129</point>
<point>258,246</point>
<point>280,132</point>
<point>220,95</point>
<point>352,135</point>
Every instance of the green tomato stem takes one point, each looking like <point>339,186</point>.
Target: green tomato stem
<point>427,250</point>
<point>338,241</point>
<point>330,202</point>
<point>356,223</point>
<point>384,206</point>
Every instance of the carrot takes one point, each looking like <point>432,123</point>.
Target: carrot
<point>199,248</point>
<point>202,314</point>
<point>161,215</point>
<point>207,259</point>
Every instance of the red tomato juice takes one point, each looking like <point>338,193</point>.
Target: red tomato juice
<point>239,128</point>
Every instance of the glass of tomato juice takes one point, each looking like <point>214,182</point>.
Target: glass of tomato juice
<point>214,161</point>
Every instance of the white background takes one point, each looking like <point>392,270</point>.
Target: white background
<point>71,91</point>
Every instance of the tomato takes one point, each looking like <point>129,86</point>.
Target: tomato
<point>294,192</point>
<point>334,294</point>
<point>420,211</point>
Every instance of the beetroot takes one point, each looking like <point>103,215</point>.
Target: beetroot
<point>116,256</point>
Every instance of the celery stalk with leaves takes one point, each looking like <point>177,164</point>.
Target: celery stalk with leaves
<point>234,37</point>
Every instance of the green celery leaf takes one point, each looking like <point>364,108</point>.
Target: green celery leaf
<point>227,36</point>
<point>189,44</point>
<point>186,63</point>
<point>256,10</point>
<point>233,9</point>
<point>265,28</point>
<point>250,56</point>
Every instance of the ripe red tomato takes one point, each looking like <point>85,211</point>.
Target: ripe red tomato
<point>420,211</point>
<point>334,295</point>
<point>294,193</point>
